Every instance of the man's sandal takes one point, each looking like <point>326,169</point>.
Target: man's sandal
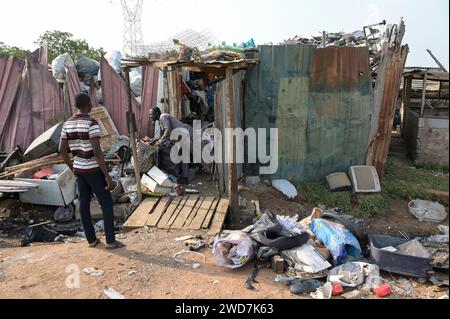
<point>95,243</point>
<point>115,245</point>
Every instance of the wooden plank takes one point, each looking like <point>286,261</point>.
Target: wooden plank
<point>175,214</point>
<point>232,168</point>
<point>193,213</point>
<point>424,94</point>
<point>169,212</point>
<point>210,214</point>
<point>139,217</point>
<point>184,213</point>
<point>198,220</point>
<point>154,218</point>
<point>219,217</point>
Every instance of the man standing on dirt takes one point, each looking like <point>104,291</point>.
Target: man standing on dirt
<point>81,136</point>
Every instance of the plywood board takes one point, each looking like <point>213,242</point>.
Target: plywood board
<point>169,211</point>
<point>193,212</point>
<point>185,213</point>
<point>219,217</point>
<point>139,217</point>
<point>154,218</point>
<point>198,220</point>
<point>108,131</point>
<point>210,214</point>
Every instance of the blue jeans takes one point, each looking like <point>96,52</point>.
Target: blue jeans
<point>89,184</point>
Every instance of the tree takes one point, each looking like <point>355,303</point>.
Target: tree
<point>63,42</point>
<point>12,51</point>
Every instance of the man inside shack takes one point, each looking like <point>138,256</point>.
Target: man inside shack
<point>81,136</point>
<point>168,123</point>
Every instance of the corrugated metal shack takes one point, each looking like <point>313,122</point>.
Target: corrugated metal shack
<point>323,101</point>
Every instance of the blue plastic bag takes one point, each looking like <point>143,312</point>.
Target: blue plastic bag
<point>340,242</point>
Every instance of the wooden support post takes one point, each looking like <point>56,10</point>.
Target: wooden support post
<point>232,168</point>
<point>132,132</point>
<point>424,94</point>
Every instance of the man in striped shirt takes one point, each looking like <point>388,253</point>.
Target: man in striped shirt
<point>81,136</point>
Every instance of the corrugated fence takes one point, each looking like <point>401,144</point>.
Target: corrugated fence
<point>319,99</point>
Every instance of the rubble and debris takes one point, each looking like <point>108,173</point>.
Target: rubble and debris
<point>354,294</point>
<point>304,286</point>
<point>324,292</point>
<point>428,211</point>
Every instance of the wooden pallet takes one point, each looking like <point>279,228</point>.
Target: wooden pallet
<point>188,212</point>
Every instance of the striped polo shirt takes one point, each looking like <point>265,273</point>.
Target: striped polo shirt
<point>78,131</point>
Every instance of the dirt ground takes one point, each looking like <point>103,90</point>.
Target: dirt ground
<point>146,268</point>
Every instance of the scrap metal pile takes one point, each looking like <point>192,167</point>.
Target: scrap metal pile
<point>370,37</point>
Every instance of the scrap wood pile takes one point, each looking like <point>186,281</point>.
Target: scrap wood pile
<point>17,170</point>
<point>329,254</point>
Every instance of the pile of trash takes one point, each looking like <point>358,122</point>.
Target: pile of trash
<point>371,37</point>
<point>327,254</point>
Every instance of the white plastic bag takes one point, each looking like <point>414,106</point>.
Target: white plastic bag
<point>136,81</point>
<point>233,251</point>
<point>60,65</point>
<point>114,59</point>
<point>285,187</point>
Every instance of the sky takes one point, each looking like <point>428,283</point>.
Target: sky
<point>100,22</point>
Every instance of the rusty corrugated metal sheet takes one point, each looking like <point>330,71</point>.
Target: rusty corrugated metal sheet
<point>41,55</point>
<point>10,74</point>
<point>71,88</point>
<point>150,79</point>
<point>37,107</point>
<point>93,94</point>
<point>319,99</point>
<point>115,97</point>
<point>47,107</point>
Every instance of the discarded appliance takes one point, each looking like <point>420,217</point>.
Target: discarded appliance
<point>365,179</point>
<point>338,182</point>
<point>427,211</point>
<point>59,192</point>
<point>160,177</point>
<point>153,186</point>
<point>46,144</point>
<point>409,259</point>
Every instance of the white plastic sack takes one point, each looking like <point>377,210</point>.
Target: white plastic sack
<point>285,187</point>
<point>242,250</point>
<point>114,59</point>
<point>60,65</point>
<point>136,81</point>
